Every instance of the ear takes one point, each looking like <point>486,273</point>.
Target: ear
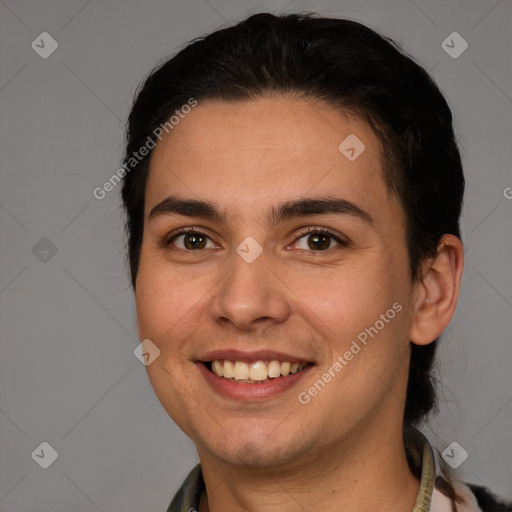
<point>438,291</point>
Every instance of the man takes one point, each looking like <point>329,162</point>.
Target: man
<point>293,191</point>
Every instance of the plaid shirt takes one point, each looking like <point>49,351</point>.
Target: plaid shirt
<point>424,463</point>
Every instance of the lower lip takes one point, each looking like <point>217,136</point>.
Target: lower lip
<point>251,392</point>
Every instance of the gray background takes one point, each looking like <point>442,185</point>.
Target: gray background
<point>68,375</point>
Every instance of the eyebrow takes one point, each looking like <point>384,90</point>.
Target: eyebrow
<point>306,207</point>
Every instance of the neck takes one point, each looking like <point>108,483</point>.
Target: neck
<point>362,473</point>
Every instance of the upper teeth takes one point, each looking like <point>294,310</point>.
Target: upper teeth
<point>257,371</point>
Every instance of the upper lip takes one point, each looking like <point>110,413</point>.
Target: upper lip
<point>248,357</point>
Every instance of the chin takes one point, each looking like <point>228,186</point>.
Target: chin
<point>252,452</point>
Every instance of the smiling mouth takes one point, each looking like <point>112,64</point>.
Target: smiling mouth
<point>257,372</point>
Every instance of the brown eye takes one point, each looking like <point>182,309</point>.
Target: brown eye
<point>319,240</point>
<point>189,240</point>
<point>194,241</point>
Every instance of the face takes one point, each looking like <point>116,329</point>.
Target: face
<point>297,256</point>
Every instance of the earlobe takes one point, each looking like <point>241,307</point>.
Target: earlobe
<point>439,292</point>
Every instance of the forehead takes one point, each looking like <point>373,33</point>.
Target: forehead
<point>266,150</point>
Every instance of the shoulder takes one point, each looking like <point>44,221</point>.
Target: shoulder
<point>488,501</point>
<point>466,497</point>
<point>446,490</point>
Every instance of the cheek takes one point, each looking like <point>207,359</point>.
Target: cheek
<point>357,301</point>
<point>163,299</point>
<point>165,303</point>
<point>354,291</point>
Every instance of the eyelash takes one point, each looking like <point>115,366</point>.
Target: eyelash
<point>311,230</point>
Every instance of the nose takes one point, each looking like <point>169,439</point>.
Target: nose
<point>251,294</point>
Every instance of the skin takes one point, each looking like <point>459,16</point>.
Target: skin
<point>276,453</point>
